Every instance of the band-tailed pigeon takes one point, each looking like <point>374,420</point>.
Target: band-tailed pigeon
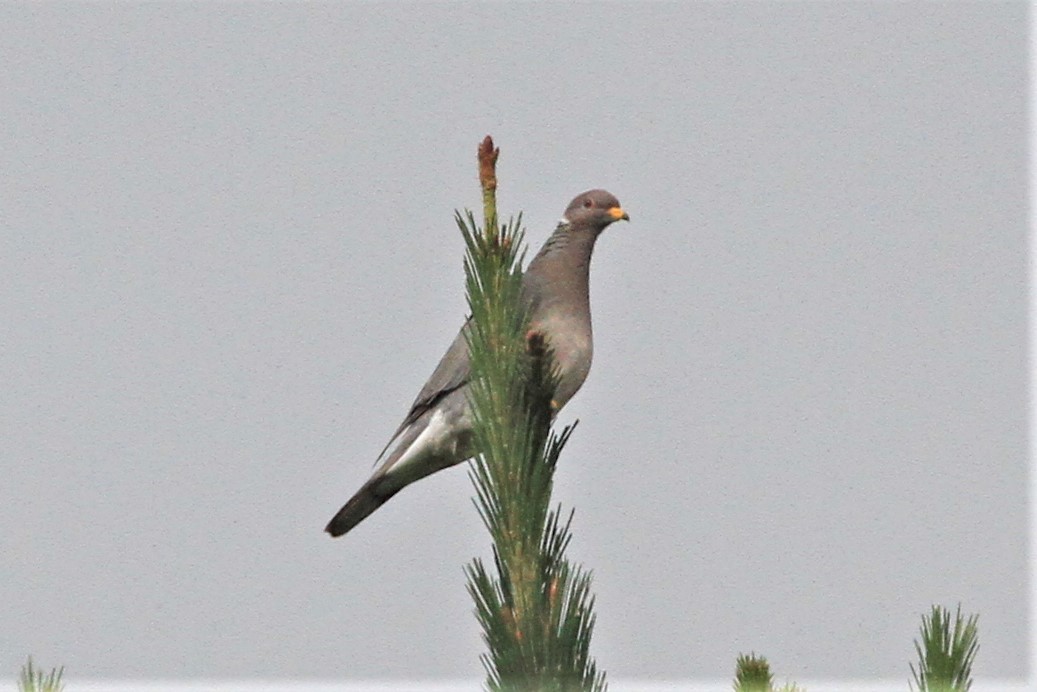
<point>437,431</point>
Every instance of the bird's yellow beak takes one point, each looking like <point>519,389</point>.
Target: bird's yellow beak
<point>617,213</point>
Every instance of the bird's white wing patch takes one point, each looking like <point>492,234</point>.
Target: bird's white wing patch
<point>430,440</point>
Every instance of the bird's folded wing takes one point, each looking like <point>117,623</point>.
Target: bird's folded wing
<point>451,374</point>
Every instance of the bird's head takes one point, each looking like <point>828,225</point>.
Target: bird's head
<point>595,209</point>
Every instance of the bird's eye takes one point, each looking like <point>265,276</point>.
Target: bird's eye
<point>587,204</point>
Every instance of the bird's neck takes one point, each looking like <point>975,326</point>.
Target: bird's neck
<point>565,258</point>
<point>567,247</point>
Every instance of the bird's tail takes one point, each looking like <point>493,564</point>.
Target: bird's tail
<point>374,493</point>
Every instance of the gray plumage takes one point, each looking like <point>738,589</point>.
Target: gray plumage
<point>437,430</point>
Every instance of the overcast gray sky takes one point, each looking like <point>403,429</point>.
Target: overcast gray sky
<point>229,262</point>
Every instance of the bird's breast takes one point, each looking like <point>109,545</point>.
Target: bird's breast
<point>572,344</point>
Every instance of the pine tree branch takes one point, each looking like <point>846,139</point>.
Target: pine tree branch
<point>536,611</point>
<point>946,653</point>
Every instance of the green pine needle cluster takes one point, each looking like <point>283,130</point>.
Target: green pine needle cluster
<point>753,674</point>
<point>947,652</point>
<point>535,609</point>
<point>33,680</point>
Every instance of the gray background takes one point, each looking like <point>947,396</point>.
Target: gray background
<point>228,263</point>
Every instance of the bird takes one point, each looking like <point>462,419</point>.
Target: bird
<point>437,430</point>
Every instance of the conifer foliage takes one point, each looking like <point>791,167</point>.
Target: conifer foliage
<point>947,651</point>
<point>534,606</point>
